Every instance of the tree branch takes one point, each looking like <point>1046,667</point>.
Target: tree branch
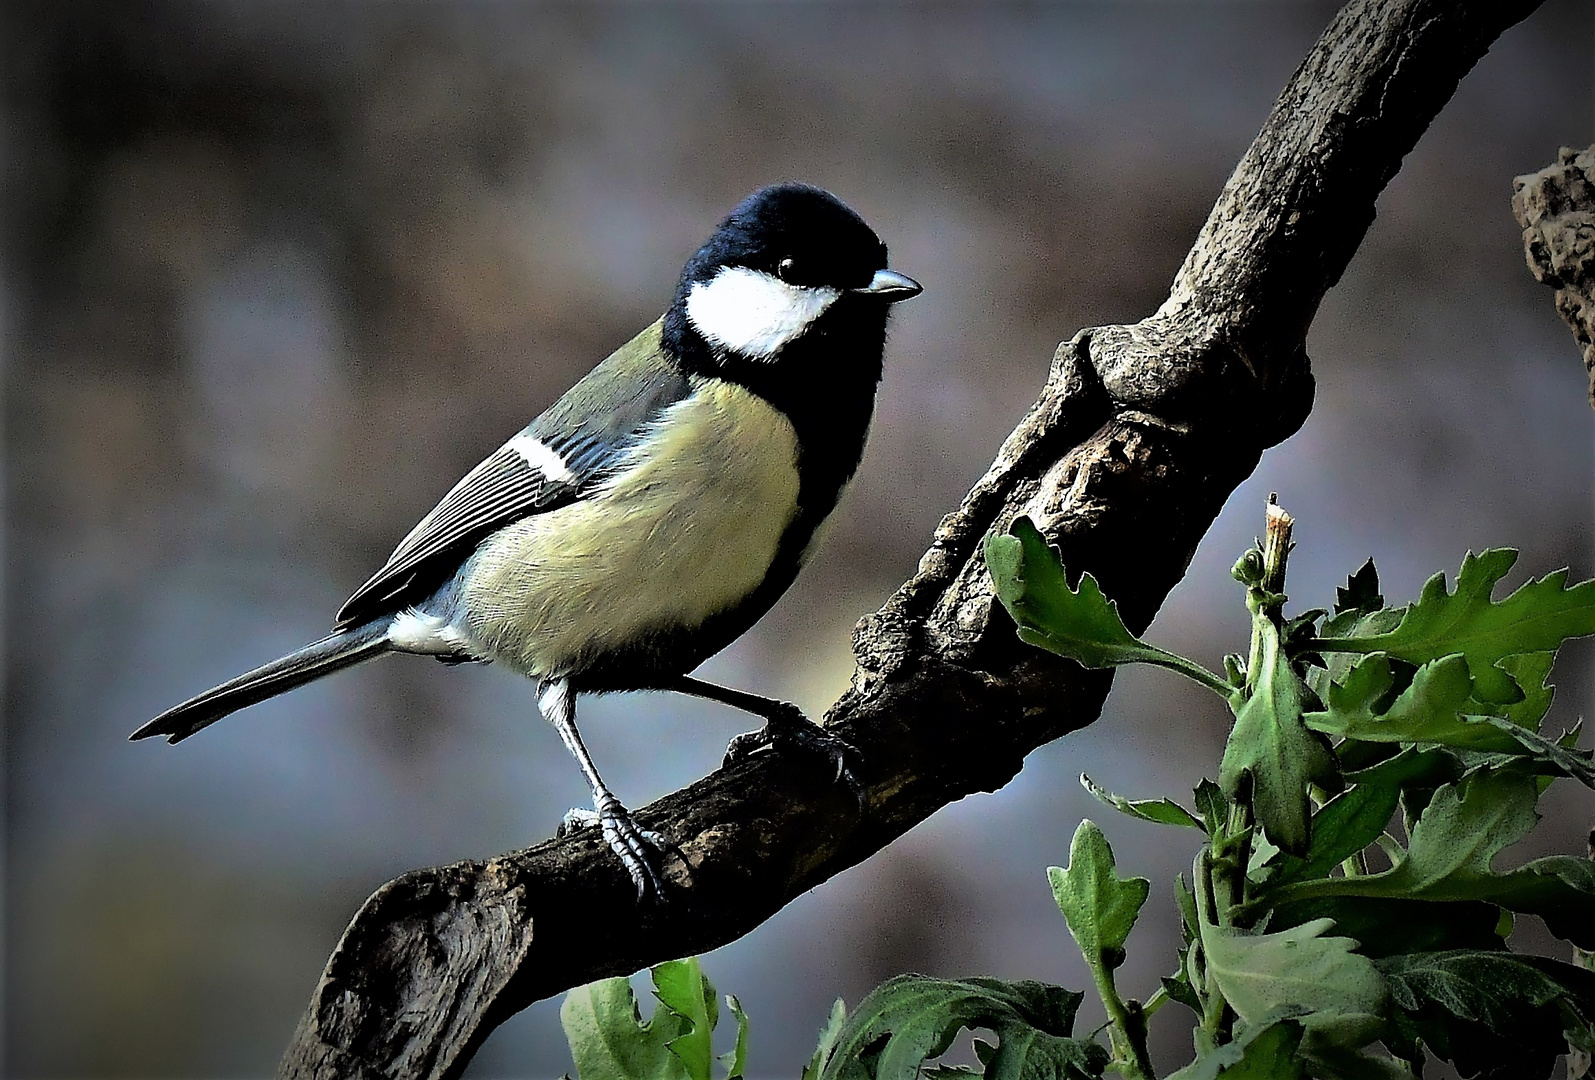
<point>1139,435</point>
<point>1556,207</point>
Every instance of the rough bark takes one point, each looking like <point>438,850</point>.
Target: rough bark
<point>1140,434</point>
<point>1556,207</point>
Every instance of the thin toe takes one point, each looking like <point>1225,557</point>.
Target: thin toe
<point>743,746</point>
<point>637,849</point>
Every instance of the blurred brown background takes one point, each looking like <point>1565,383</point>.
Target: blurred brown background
<point>277,273</point>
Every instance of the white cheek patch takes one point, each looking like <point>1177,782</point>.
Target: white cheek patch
<point>753,313</point>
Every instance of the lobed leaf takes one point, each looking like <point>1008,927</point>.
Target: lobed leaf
<point>1434,711</point>
<point>1081,624</point>
<point>1259,1053</point>
<point>1361,592</point>
<point>735,1060</point>
<point>826,1046</point>
<point>1455,841</point>
<point>609,1040</point>
<point>1341,994</point>
<point>1428,711</point>
<point>681,987</point>
<point>1530,671</point>
<point>1493,1012</point>
<point>1099,906</point>
<point>1536,618</point>
<point>910,1019</point>
<point>1383,926</point>
<point>1562,756</point>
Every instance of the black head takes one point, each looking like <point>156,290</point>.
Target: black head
<point>777,267</point>
<point>798,233</point>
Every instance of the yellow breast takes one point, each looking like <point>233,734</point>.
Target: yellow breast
<point>679,534</point>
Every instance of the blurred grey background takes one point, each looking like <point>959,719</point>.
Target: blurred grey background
<point>276,274</point>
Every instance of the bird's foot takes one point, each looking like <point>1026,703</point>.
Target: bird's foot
<point>639,849</point>
<point>790,728</point>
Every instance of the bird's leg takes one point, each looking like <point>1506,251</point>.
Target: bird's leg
<point>784,724</point>
<point>637,848</point>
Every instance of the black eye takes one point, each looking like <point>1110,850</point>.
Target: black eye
<point>784,270</point>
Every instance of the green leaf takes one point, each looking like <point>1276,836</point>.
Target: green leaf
<point>1341,1063</point>
<point>1383,926</point>
<point>1411,767</point>
<point>1430,712</point>
<point>1357,624</point>
<point>1271,744</point>
<point>1427,711</point>
<point>1259,1053</point>
<point>1531,672</point>
<point>1264,858</point>
<point>1158,811</point>
<point>1185,900</point>
<point>681,987</point>
<point>1464,827</point>
<point>910,1019</point>
<point>1361,593</point>
<point>1300,631</point>
<point>826,1047</point>
<point>735,1060</point>
<point>1505,991</point>
<point>1080,624</point>
<point>1493,1011</point>
<point>1342,827</point>
<point>1343,994</point>
<point>1562,755</point>
<point>608,1039</point>
<point>1178,988</point>
<point>1212,805</point>
<point>1560,889</point>
<point>1538,617</point>
<point>1099,906</point>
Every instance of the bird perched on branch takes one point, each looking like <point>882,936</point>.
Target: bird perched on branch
<point>654,512</point>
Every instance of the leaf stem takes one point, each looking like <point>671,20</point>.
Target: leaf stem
<point>1159,998</point>
<point>1213,999</point>
<point>1192,670</point>
<point>1342,644</point>
<point>1128,1034</point>
<point>1391,847</point>
<point>1355,865</point>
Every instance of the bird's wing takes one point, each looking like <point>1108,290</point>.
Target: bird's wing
<point>558,458</point>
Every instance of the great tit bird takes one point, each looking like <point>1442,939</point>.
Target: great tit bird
<point>654,512</point>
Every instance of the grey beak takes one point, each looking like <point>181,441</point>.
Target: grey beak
<point>891,286</point>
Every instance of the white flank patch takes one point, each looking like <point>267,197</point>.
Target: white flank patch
<point>431,635</point>
<point>753,313</point>
<point>541,457</point>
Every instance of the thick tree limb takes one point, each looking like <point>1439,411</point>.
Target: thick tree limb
<point>1140,434</point>
<point>1556,207</point>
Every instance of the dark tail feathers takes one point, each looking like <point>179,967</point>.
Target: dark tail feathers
<point>332,653</point>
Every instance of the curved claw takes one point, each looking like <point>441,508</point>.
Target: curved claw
<point>743,746</point>
<point>804,735</point>
<point>637,848</point>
